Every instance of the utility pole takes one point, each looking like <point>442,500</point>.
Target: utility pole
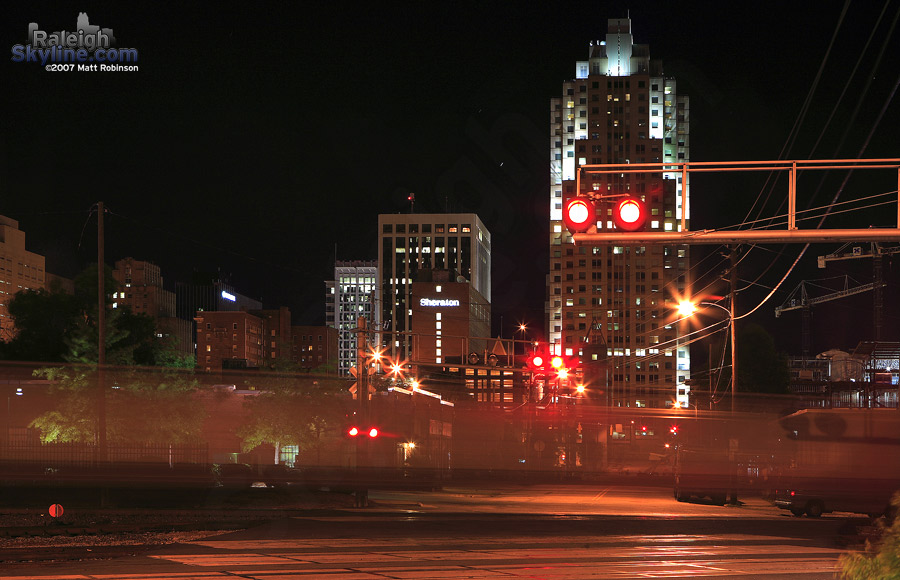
<point>734,364</point>
<point>362,397</point>
<point>733,441</point>
<point>101,338</point>
<point>877,274</point>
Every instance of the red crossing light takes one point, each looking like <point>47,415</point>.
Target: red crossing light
<point>630,214</point>
<point>535,361</point>
<point>579,215</point>
<point>372,432</point>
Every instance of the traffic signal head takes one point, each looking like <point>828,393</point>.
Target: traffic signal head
<point>629,214</point>
<point>557,362</point>
<point>579,214</point>
<point>535,361</point>
<point>354,431</point>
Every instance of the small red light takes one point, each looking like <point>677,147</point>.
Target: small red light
<point>792,493</point>
<point>537,361</point>
<point>373,432</point>
<point>353,431</point>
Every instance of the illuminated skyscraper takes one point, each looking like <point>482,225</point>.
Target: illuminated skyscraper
<point>620,108</point>
<point>350,295</point>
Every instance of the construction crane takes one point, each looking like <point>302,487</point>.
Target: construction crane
<point>799,299</point>
<point>876,252</point>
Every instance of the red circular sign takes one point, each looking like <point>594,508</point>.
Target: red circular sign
<point>56,510</point>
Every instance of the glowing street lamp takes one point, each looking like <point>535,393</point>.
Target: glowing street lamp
<point>686,308</point>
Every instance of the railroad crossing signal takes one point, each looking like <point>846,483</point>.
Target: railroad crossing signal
<point>372,432</point>
<point>630,214</point>
<point>580,214</point>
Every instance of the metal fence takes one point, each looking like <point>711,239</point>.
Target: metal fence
<point>56,454</point>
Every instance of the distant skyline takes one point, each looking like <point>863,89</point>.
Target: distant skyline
<point>265,139</point>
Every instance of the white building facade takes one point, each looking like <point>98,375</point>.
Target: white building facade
<point>350,295</point>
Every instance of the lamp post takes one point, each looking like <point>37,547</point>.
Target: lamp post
<point>19,393</point>
<point>689,308</point>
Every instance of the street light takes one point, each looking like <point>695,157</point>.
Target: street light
<point>19,393</point>
<point>687,308</point>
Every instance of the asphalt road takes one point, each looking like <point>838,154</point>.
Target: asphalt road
<point>553,532</point>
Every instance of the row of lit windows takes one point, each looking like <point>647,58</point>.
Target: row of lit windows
<point>426,228</point>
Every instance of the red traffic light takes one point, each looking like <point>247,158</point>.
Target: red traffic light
<point>630,214</point>
<point>579,215</point>
<point>372,432</point>
<point>535,361</point>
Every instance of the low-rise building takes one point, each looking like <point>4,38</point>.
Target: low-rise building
<point>19,270</point>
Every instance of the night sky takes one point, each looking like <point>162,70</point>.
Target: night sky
<point>264,139</point>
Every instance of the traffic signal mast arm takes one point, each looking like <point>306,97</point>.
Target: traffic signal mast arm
<point>742,236</point>
<point>789,235</point>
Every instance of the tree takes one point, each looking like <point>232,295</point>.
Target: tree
<point>141,406</point>
<point>57,327</point>
<point>761,369</point>
<point>44,320</point>
<point>291,409</point>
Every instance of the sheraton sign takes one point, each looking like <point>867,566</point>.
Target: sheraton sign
<point>433,302</point>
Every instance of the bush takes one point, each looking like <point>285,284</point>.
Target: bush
<point>881,559</point>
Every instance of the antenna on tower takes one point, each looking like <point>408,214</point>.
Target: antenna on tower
<point>411,198</point>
